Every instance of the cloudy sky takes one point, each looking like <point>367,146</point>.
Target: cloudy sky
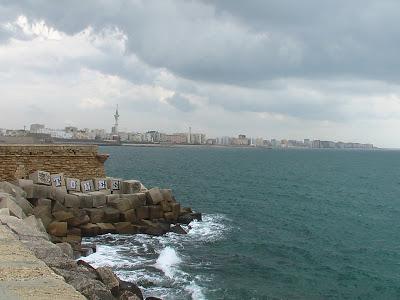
<point>274,69</point>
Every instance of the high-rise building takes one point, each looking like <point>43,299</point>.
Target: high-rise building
<point>114,129</point>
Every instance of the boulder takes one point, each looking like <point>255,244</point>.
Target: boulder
<point>4,211</point>
<point>12,189</point>
<point>135,200</point>
<point>72,239</point>
<point>122,205</point>
<point>73,184</point>
<point>41,191</point>
<point>90,229</point>
<point>167,195</point>
<point>57,228</point>
<point>125,228</point>
<point>128,295</point>
<point>170,217</point>
<point>154,196</point>
<point>132,288</point>
<point>166,206</point>
<point>131,186</point>
<point>41,177</point>
<point>44,202</point>
<point>129,216</point>
<point>142,213</point>
<point>111,215</point>
<point>59,207</point>
<point>8,201</point>
<point>92,289</point>
<point>58,193</point>
<point>155,212</point>
<point>99,198</point>
<point>57,180</point>
<point>110,280</point>
<point>62,215</point>
<point>96,215</point>
<point>189,217</point>
<point>154,228</point>
<point>85,200</point>
<point>80,218</point>
<point>43,212</point>
<point>87,186</point>
<point>26,206</point>
<point>113,198</point>
<point>66,249</point>
<point>71,201</point>
<point>178,229</point>
<point>176,209</point>
<point>106,228</point>
<point>27,186</point>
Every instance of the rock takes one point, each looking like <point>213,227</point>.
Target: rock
<point>85,200</point>
<point>41,191</point>
<point>176,209</point>
<point>153,228</point>
<point>73,184</point>
<point>111,215</point>
<point>57,228</point>
<point>71,201</point>
<point>91,288</point>
<point>122,204</point>
<point>99,198</point>
<point>12,189</point>
<point>57,180</point>
<point>63,215</point>
<point>129,216</point>
<point>72,239</point>
<point>8,201</point>
<point>178,229</point>
<point>112,198</point>
<point>127,295</point>
<point>111,281</point>
<point>4,211</point>
<point>27,186</point>
<point>125,228</point>
<point>166,206</point>
<point>130,287</point>
<point>106,228</point>
<point>131,186</point>
<point>44,202</point>
<point>58,193</point>
<point>167,195</point>
<point>43,212</point>
<point>197,216</point>
<point>185,210</point>
<point>22,228</point>
<point>154,196</point>
<point>156,212</point>
<point>36,223</point>
<point>189,217</point>
<point>87,186</point>
<point>25,205</point>
<point>90,229</point>
<point>142,213</point>
<point>66,249</point>
<point>96,215</point>
<point>170,217</point>
<point>135,200</point>
<point>40,177</point>
<point>80,218</point>
<point>58,207</point>
<point>153,298</point>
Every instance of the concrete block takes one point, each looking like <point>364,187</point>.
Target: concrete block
<point>142,213</point>
<point>96,215</point>
<point>99,198</point>
<point>166,206</point>
<point>114,184</point>
<point>90,229</point>
<point>129,216</point>
<point>122,204</point>
<point>27,186</point>
<point>57,180</point>
<point>155,212</point>
<point>41,191</point>
<point>112,198</point>
<point>57,228</point>
<point>41,177</point>
<point>100,184</point>
<point>44,202</point>
<point>58,193</point>
<point>167,195</point>
<point>63,215</point>
<point>136,200</point>
<point>176,209</point>
<point>71,201</point>
<point>6,201</point>
<point>131,186</point>
<point>170,217</point>
<point>80,218</point>
<point>106,228</point>
<point>87,186</point>
<point>125,228</point>
<point>154,196</point>
<point>43,212</point>
<point>85,200</point>
<point>73,184</point>
<point>111,215</point>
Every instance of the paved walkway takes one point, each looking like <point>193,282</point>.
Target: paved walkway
<point>23,276</point>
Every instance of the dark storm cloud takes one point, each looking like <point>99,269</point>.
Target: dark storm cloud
<point>181,103</point>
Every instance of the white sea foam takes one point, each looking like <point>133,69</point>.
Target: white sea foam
<point>168,261</point>
<point>195,291</point>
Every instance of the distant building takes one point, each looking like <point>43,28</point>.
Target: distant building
<point>241,140</point>
<point>36,128</point>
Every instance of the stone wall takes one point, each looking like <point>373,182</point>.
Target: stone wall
<point>17,161</point>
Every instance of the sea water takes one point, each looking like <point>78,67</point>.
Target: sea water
<point>278,224</point>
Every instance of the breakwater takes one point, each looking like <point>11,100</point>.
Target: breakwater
<point>50,213</point>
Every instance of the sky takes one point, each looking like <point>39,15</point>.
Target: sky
<point>265,68</point>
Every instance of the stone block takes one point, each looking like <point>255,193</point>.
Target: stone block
<point>4,211</point>
<point>41,177</point>
<point>166,206</point>
<point>43,212</point>
<point>57,228</point>
<point>58,207</point>
<point>85,200</point>
<point>41,191</point>
<point>105,192</point>
<point>142,212</point>
<point>80,218</point>
<point>90,229</point>
<point>66,249</point>
<point>108,277</point>
<point>72,239</point>
<point>57,180</point>
<point>99,198</point>
<point>122,205</point>
<point>71,201</point>
<point>136,200</point>
<point>96,215</point>
<point>178,229</point>
<point>176,209</point>
<point>74,231</point>
<point>114,184</point>
<point>100,184</point>
<point>170,217</point>
<point>26,206</point>
<point>112,198</point>
<point>154,196</point>
<point>62,215</point>
<point>27,186</point>
<point>44,202</point>
<point>155,212</point>
<point>87,186</point>
<point>131,186</point>
<point>111,215</point>
<point>6,201</point>
<point>58,194</point>
<point>106,228</point>
<point>12,189</point>
<point>125,228</point>
<point>73,184</point>
<point>167,195</point>
<point>129,216</point>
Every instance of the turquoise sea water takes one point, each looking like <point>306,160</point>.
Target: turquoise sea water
<point>279,224</point>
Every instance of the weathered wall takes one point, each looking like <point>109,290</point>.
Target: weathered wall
<point>17,161</point>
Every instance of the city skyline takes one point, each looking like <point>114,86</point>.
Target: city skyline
<point>223,67</point>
